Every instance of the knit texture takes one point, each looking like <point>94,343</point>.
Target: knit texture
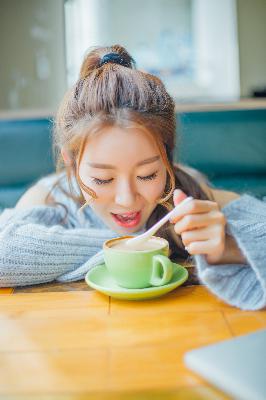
<point>35,247</point>
<point>241,285</point>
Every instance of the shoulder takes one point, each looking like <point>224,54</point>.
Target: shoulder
<point>221,197</point>
<point>44,192</point>
<point>34,196</point>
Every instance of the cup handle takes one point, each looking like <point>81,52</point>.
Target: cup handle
<point>160,262</point>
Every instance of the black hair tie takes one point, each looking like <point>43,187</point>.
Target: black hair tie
<point>114,58</point>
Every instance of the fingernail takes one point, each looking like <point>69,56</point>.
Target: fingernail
<point>179,195</point>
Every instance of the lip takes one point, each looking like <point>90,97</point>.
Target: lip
<point>127,213</point>
<point>130,224</point>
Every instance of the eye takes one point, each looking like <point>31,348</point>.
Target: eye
<point>102,181</point>
<point>149,177</point>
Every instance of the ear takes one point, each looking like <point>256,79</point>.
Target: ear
<point>66,157</point>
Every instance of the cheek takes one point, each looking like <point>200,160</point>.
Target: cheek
<point>103,195</point>
<point>153,191</point>
<point>99,205</point>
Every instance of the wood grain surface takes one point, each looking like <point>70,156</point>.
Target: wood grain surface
<point>67,341</point>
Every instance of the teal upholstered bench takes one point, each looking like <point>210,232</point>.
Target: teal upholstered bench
<point>25,156</point>
<point>228,146</point>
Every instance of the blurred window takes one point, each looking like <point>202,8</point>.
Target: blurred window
<point>191,45</point>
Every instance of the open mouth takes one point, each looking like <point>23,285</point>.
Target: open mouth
<point>127,220</point>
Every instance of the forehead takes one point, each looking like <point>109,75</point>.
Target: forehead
<point>116,142</point>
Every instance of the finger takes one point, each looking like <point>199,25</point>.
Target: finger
<point>194,207</point>
<point>193,221</point>
<point>178,196</point>
<point>202,234</point>
<point>202,247</point>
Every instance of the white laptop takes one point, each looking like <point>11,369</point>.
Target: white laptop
<point>236,366</point>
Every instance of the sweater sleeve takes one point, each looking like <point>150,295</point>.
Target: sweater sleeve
<point>241,285</point>
<point>36,248</point>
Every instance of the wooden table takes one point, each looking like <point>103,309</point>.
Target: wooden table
<point>71,342</point>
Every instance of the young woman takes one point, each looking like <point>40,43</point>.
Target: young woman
<point>114,138</point>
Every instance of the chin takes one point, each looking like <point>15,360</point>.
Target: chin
<point>125,231</point>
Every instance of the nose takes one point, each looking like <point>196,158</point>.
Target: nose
<point>125,194</point>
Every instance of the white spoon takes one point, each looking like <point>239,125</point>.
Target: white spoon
<point>137,240</point>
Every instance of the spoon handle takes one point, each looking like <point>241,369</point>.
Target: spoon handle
<point>166,218</point>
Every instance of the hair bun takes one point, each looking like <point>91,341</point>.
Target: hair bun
<point>115,58</point>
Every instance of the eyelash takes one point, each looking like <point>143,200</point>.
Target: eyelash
<point>143,178</point>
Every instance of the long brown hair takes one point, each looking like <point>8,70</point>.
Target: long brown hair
<point>111,91</point>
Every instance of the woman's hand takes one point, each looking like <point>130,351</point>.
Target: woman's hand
<point>201,225</point>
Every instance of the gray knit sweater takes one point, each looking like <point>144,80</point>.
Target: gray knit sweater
<point>36,247</point>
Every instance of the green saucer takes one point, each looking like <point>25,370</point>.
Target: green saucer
<point>100,279</point>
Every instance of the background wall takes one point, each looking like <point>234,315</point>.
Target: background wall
<point>251,15</point>
<point>32,48</point>
<point>32,62</point>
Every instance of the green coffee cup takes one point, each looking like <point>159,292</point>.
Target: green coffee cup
<point>138,268</point>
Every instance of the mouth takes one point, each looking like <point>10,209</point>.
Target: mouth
<point>127,220</point>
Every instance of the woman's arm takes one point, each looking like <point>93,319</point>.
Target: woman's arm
<point>35,248</point>
<point>237,274</point>
<point>239,286</point>
<point>223,197</point>
<point>244,247</point>
<point>232,254</point>
<point>202,227</point>
<point>37,243</point>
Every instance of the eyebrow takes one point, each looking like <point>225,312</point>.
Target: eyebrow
<point>107,166</point>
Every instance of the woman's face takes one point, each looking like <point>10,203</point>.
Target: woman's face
<point>125,169</point>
